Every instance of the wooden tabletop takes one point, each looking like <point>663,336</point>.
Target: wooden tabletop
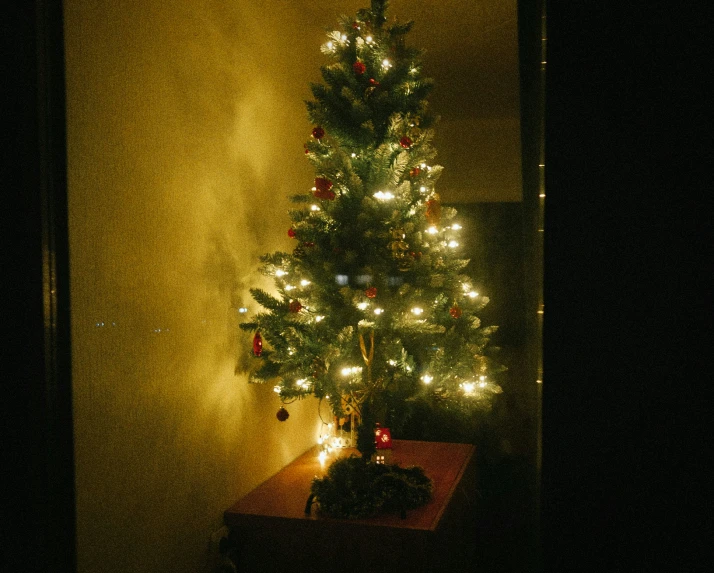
<point>283,496</point>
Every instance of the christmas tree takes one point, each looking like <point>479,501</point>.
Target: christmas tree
<point>372,310</point>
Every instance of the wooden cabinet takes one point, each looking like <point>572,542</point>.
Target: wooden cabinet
<point>271,531</point>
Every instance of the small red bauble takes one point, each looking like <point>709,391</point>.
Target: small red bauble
<point>282,414</point>
<point>433,211</point>
<point>373,82</point>
<point>318,133</point>
<point>291,233</point>
<point>417,256</point>
<point>323,189</point>
<point>414,172</point>
<point>455,312</point>
<point>371,292</point>
<point>359,68</point>
<point>405,142</point>
<point>257,344</point>
<point>295,306</point>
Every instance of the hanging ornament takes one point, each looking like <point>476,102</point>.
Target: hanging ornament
<point>414,172</point>
<point>405,142</point>
<point>359,68</point>
<point>400,250</point>
<point>282,414</point>
<point>295,306</point>
<point>455,311</point>
<point>291,233</point>
<point>371,292</point>
<point>433,210</point>
<point>257,344</point>
<point>318,133</point>
<point>323,189</point>
<point>373,82</point>
<point>318,367</point>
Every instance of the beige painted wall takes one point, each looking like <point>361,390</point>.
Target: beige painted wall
<point>185,130</point>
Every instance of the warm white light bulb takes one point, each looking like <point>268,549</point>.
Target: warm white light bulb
<point>456,226</point>
<point>289,287</point>
<point>362,305</point>
<point>304,282</point>
<point>242,310</point>
<point>468,387</point>
<point>453,244</point>
<point>368,39</point>
<point>417,310</point>
<point>422,189</point>
<point>427,379</point>
<point>378,311</point>
<point>384,195</point>
<point>318,318</point>
<point>314,208</point>
<point>330,45</point>
<point>472,294</point>
<point>276,389</point>
<point>280,273</point>
<point>386,63</point>
<point>432,230</point>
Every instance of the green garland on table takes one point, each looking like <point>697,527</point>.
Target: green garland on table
<point>355,489</point>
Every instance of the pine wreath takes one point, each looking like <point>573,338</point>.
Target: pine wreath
<point>355,489</point>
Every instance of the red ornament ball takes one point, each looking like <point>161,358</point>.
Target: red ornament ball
<point>373,82</point>
<point>433,211</point>
<point>405,142</point>
<point>291,233</point>
<point>371,292</point>
<point>295,306</point>
<point>323,189</point>
<point>257,344</point>
<point>359,68</point>
<point>455,312</point>
<point>282,414</point>
<point>318,133</point>
<point>414,172</point>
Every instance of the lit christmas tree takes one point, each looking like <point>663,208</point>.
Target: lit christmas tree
<point>372,311</point>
